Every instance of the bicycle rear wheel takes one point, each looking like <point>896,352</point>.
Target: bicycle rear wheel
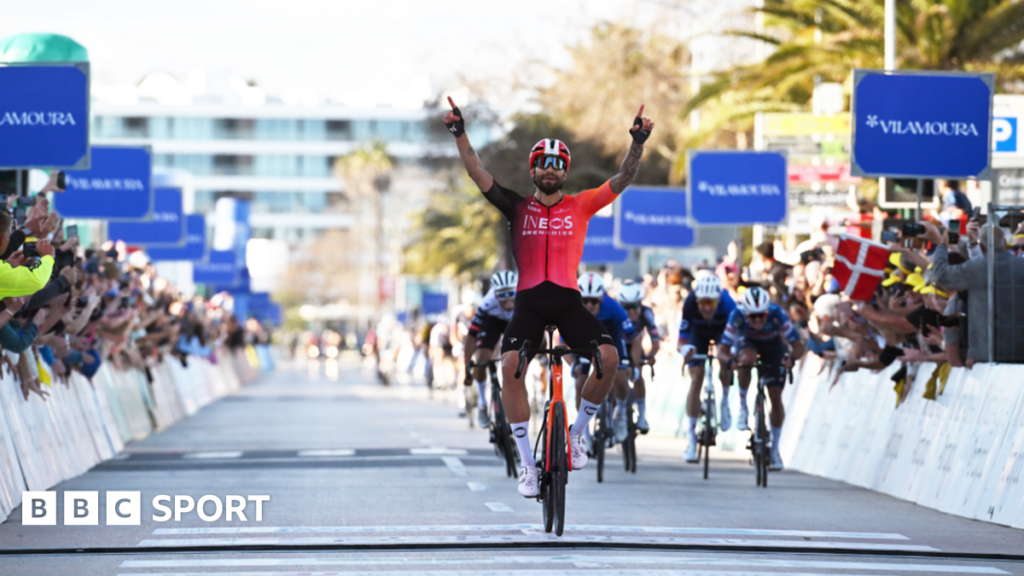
<point>762,431</point>
<point>707,450</point>
<point>600,440</point>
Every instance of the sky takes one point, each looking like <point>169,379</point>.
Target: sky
<point>383,50</point>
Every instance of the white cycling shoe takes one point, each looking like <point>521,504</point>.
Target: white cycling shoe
<point>619,426</point>
<point>741,423</point>
<point>776,463</point>
<point>642,426</point>
<point>529,481</point>
<point>691,452</point>
<point>481,417</point>
<point>725,416</point>
<point>578,445</point>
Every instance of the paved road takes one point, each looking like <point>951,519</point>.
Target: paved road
<point>363,478</point>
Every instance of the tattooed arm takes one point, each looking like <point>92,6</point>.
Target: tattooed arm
<point>640,131</point>
<point>627,172</point>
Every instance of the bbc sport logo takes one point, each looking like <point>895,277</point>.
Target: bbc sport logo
<point>124,508</point>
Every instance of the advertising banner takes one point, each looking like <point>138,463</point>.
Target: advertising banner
<point>922,124</point>
<point>44,115</point>
<point>737,188</point>
<point>195,243</point>
<point>220,269</point>
<point>115,187</point>
<point>165,228</point>
<point>652,217</point>
<point>599,245</point>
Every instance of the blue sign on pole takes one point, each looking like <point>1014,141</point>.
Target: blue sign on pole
<point>220,269</point>
<point>435,302</point>
<point>729,188</point>
<point>599,245</point>
<point>195,243</point>
<point>115,187</point>
<point>165,228</point>
<point>44,115</point>
<point>654,217</point>
<point>922,124</point>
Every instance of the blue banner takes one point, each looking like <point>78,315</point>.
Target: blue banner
<point>195,243</point>
<point>220,269</point>
<point>599,245</point>
<point>737,188</point>
<point>44,115</point>
<point>921,125</point>
<point>115,187</point>
<point>435,303</point>
<point>654,217</point>
<point>165,228</point>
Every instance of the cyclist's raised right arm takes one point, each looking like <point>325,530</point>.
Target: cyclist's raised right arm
<point>457,126</point>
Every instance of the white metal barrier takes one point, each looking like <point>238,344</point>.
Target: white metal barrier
<point>43,443</point>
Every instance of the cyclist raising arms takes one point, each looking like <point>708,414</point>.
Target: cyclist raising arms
<point>617,323</point>
<point>485,330</point>
<point>705,314</point>
<point>761,329</point>
<point>629,296</point>
<point>548,229</point>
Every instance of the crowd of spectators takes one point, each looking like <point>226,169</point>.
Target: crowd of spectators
<point>67,308</point>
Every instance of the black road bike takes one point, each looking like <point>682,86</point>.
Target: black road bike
<point>552,449</point>
<point>501,430</point>
<point>709,417</point>
<point>760,439</point>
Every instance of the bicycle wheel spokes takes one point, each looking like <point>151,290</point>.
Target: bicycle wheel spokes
<point>560,468</point>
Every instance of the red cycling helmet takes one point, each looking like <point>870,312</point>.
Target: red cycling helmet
<point>550,147</point>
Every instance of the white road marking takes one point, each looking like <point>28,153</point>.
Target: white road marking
<point>326,453</point>
<point>437,451</point>
<point>214,455</point>
<point>518,527</point>
<point>504,539</point>
<point>575,559</point>
<point>498,507</point>
<point>477,486</point>
<point>455,465</point>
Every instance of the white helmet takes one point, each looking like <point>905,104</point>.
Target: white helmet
<point>630,293</point>
<point>755,300</point>
<point>591,285</point>
<point>708,288</point>
<point>504,279</point>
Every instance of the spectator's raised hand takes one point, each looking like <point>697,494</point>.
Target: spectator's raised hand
<point>14,304</point>
<point>71,273</point>
<point>974,230</point>
<point>932,234</point>
<point>40,316</point>
<point>912,355</point>
<point>69,244</point>
<point>17,259</point>
<point>44,248</point>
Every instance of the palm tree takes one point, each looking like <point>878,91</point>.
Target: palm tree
<point>824,40</point>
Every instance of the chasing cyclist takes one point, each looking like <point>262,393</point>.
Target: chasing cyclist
<point>548,229</point>
<point>618,324</point>
<point>485,331</point>
<point>629,296</point>
<point>762,329</point>
<point>706,312</point>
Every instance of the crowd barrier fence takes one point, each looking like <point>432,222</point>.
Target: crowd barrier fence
<point>43,443</point>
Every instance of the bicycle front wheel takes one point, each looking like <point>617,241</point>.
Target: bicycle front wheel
<point>547,496</point>
<point>600,442</point>
<point>560,468</point>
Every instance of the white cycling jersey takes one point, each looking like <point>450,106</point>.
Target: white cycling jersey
<point>489,306</point>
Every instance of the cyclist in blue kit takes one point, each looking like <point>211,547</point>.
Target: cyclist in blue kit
<point>705,314</point>
<point>762,329</point>
<point>616,321</point>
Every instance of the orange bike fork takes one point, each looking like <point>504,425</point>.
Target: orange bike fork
<point>556,398</point>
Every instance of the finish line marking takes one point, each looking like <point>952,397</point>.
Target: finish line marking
<point>437,451</point>
<point>498,507</point>
<point>326,453</point>
<point>519,527</point>
<point>578,560</point>
<point>214,455</point>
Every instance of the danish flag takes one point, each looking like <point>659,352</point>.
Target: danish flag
<point>860,266</point>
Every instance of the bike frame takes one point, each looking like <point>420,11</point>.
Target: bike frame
<point>555,398</point>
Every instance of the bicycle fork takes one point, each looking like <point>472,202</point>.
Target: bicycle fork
<point>556,398</point>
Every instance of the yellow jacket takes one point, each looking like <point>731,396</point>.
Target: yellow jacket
<point>23,280</point>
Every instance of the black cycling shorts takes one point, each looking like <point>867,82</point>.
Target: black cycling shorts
<point>548,303</point>
<point>490,332</point>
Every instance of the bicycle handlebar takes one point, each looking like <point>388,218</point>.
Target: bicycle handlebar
<point>557,353</point>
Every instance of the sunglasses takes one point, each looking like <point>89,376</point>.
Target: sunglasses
<point>707,302</point>
<point>631,306</point>
<point>505,294</point>
<point>555,162</point>
<point>591,301</point>
<point>1017,248</point>
<point>757,316</point>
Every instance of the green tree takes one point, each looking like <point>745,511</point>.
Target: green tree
<point>824,40</point>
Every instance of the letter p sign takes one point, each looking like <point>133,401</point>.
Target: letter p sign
<point>1004,134</point>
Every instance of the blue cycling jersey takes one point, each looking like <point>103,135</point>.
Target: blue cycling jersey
<point>777,325</point>
<point>647,322</point>
<point>615,319</point>
<point>694,323</point>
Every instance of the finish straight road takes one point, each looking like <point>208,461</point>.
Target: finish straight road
<point>365,478</point>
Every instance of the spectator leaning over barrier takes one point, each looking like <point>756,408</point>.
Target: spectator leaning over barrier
<point>20,275</point>
<point>972,277</point>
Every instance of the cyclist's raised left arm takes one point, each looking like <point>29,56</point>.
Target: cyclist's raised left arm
<point>640,131</point>
<point>474,167</point>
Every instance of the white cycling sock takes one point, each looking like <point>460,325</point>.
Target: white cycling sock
<point>521,432</point>
<point>481,385</point>
<point>586,432</point>
<point>743,397</point>
<point>587,411</point>
<point>641,407</point>
<point>693,428</point>
<point>776,437</point>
